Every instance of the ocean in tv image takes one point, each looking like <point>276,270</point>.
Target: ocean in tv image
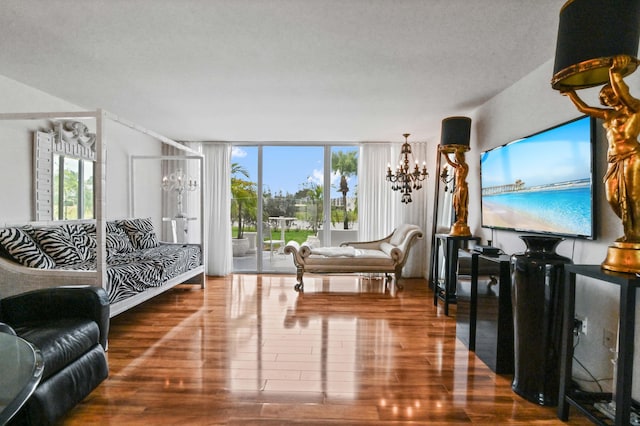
<point>561,210</point>
<point>541,183</point>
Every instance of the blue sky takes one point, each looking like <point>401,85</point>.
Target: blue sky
<point>286,168</point>
<point>556,155</point>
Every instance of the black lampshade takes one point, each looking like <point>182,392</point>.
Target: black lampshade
<point>590,33</point>
<point>455,131</point>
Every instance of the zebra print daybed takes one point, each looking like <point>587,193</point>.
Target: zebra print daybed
<point>138,265</point>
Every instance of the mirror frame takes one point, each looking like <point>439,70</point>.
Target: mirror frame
<point>67,139</point>
<point>441,204</point>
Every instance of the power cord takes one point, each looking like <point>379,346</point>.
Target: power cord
<point>593,378</point>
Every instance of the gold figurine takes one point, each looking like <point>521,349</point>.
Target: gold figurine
<point>622,180</point>
<point>461,191</point>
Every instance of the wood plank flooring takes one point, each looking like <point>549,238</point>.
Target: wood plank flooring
<point>250,350</point>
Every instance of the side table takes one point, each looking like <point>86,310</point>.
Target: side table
<point>21,369</point>
<point>446,291</point>
<point>583,401</point>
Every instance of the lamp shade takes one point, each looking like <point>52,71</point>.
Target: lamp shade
<point>590,34</point>
<point>455,131</point>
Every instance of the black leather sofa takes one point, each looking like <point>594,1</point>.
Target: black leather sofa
<point>70,326</point>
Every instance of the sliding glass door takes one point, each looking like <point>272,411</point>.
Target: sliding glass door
<point>344,199</point>
<point>292,194</point>
<point>284,193</point>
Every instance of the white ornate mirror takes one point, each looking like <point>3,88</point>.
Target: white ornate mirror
<point>64,160</point>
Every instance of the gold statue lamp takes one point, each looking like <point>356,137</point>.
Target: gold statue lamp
<point>454,139</point>
<point>597,45</point>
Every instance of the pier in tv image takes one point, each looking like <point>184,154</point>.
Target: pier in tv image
<point>542,183</point>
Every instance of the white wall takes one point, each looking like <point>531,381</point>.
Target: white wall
<point>122,143</point>
<point>16,148</point>
<point>525,108</point>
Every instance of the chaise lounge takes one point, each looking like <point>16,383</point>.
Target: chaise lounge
<point>387,255</point>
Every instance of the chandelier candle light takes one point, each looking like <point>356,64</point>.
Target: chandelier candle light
<point>454,139</point>
<point>179,182</point>
<point>405,180</point>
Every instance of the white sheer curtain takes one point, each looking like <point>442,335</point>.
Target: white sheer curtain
<point>217,160</point>
<point>380,209</point>
<point>190,200</point>
<point>416,213</point>
<point>376,204</point>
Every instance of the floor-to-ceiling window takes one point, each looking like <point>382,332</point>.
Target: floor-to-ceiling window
<point>344,195</point>
<point>285,192</point>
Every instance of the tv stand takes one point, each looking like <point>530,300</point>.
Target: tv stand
<point>484,319</point>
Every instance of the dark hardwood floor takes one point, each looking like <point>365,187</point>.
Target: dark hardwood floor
<point>250,350</point>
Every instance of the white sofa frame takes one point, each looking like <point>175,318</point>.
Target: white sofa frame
<point>29,278</point>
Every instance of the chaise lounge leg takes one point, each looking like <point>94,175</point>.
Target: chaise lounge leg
<point>398,276</point>
<point>300,284</point>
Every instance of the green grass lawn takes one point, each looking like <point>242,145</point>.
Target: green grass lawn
<point>299,236</point>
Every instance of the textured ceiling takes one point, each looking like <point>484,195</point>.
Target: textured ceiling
<point>278,70</point>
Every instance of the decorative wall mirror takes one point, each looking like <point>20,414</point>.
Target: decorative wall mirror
<point>443,216</point>
<point>64,160</point>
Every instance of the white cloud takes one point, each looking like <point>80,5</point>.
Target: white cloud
<point>238,152</point>
<point>316,177</point>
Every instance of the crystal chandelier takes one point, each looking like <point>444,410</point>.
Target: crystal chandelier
<point>406,179</point>
<point>179,182</point>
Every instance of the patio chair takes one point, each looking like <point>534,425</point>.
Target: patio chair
<point>267,234</point>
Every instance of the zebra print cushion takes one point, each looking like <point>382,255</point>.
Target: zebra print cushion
<point>81,240</point>
<point>117,241</point>
<point>23,249</point>
<point>140,232</point>
<point>91,242</point>
<point>131,273</point>
<point>57,242</point>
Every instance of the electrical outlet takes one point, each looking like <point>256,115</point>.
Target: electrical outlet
<point>608,339</point>
<point>580,325</point>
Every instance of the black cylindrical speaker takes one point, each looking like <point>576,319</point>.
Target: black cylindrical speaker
<point>537,282</point>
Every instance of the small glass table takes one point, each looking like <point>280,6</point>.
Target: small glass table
<point>21,368</point>
<point>282,222</point>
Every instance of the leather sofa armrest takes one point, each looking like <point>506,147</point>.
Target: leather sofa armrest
<point>59,302</point>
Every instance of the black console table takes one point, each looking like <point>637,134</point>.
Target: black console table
<point>446,291</point>
<point>583,401</point>
<point>488,320</point>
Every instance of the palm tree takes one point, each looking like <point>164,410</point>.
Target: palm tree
<point>345,163</point>
<point>313,193</point>
<point>244,196</point>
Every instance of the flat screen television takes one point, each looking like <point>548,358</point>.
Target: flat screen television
<point>543,183</point>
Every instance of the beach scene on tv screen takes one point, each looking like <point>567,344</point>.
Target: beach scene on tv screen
<point>541,183</point>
